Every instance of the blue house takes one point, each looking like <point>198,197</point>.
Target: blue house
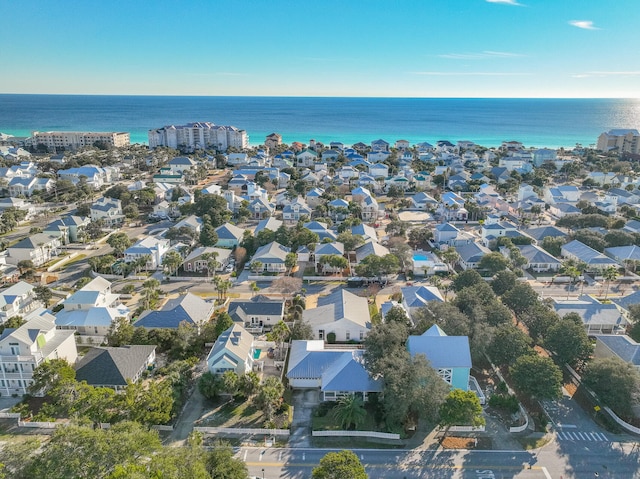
<point>448,355</point>
<point>229,235</point>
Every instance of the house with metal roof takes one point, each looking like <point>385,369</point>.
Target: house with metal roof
<point>233,351</point>
<point>618,346</point>
<point>342,313</point>
<point>368,248</point>
<point>450,356</point>
<point>188,308</point>
<point>151,247</point>
<point>597,317</point>
<point>470,254</point>
<point>623,253</point>
<point>109,210</point>
<point>91,311</point>
<point>23,349</point>
<point>114,367</point>
<point>594,260</point>
<point>272,256</point>
<point>260,312</point>
<point>538,259</point>
<point>17,300</point>
<point>38,248</point>
<point>298,208</point>
<point>194,262</point>
<point>336,372</point>
<point>68,228</point>
<point>321,229</point>
<point>416,297</point>
<point>539,233</point>
<point>229,235</point>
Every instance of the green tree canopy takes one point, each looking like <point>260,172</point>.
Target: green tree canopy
<point>508,344</point>
<point>119,242</point>
<point>616,382</point>
<point>503,281</point>
<point>461,408</point>
<point>569,341</point>
<point>469,277</point>
<point>492,263</point>
<point>340,465</point>
<point>536,376</point>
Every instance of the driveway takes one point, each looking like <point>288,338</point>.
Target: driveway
<point>304,401</point>
<point>191,412</point>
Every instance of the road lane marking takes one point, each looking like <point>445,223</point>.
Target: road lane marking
<point>245,455</point>
<point>545,472</point>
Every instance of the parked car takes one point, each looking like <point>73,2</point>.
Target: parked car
<point>229,268</point>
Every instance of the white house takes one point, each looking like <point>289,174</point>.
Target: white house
<point>342,314</point>
<point>17,300</point>
<point>232,351</point>
<point>152,247</point>
<point>39,248</point>
<point>109,210</point>
<point>23,349</point>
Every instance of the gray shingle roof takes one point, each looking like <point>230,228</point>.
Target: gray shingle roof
<point>188,308</point>
<point>112,366</point>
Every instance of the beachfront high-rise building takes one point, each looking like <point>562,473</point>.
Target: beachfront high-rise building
<point>199,135</point>
<point>624,140</point>
<point>71,140</point>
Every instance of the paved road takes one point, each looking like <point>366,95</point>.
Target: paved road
<point>613,461</point>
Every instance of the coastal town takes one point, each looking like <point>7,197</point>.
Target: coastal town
<point>296,297</point>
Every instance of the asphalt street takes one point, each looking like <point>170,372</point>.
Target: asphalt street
<point>609,460</point>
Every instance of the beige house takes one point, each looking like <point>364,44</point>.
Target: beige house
<point>39,248</point>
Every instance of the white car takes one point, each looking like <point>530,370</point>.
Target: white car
<point>229,268</point>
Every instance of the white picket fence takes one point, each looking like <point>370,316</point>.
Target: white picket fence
<point>372,434</point>
<point>39,425</point>
<point>526,421</point>
<point>466,429</point>
<point>232,431</point>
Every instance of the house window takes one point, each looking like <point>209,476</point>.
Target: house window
<point>348,335</point>
<point>361,335</point>
<point>321,334</point>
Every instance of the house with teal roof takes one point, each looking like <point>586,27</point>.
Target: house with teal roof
<point>450,356</point>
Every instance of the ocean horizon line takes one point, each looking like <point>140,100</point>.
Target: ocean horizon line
<point>154,95</point>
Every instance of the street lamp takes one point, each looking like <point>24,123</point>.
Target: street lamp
<point>262,473</point>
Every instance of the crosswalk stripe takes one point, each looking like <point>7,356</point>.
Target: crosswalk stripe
<point>581,436</point>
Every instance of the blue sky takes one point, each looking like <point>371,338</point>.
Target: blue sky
<point>377,48</point>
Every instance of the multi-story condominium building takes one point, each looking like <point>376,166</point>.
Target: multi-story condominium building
<point>23,349</point>
<point>71,140</point>
<point>199,135</point>
<point>624,140</point>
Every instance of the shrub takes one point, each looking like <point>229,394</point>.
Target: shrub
<point>324,408</point>
<point>507,403</point>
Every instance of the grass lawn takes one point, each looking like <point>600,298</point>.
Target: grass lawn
<point>80,257</point>
<point>233,414</point>
<point>329,423</point>
<point>242,414</point>
<point>534,442</point>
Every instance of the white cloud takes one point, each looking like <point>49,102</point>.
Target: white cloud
<point>479,56</point>
<point>584,24</point>
<point>486,74</point>
<point>605,74</point>
<point>506,2</point>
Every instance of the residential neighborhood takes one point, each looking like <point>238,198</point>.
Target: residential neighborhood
<point>292,283</point>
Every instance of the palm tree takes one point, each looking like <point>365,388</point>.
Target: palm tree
<point>350,411</point>
<point>609,274</point>
<point>254,288</point>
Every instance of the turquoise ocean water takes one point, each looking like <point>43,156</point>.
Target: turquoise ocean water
<point>535,122</point>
